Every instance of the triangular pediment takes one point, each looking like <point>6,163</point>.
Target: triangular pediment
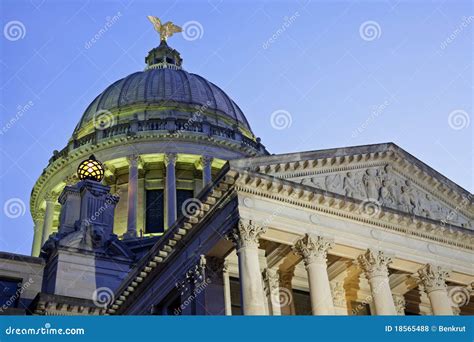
<point>384,175</point>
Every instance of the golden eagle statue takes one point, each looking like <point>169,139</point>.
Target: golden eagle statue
<point>165,30</point>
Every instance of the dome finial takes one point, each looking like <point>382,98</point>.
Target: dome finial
<point>163,56</point>
<point>165,30</point>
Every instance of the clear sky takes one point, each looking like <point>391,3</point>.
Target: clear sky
<point>308,75</point>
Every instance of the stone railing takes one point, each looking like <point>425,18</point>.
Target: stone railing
<point>171,126</point>
<point>250,143</point>
<point>87,139</point>
<point>186,125</point>
<point>223,132</point>
<point>152,125</point>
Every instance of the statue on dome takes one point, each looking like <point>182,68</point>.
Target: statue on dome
<point>165,30</point>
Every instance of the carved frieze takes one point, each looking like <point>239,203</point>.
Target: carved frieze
<point>382,185</point>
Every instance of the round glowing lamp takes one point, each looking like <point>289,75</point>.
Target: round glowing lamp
<point>91,169</point>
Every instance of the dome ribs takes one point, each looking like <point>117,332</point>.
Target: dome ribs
<point>185,84</point>
<point>196,89</point>
<point>88,113</point>
<point>153,83</point>
<point>227,101</point>
<point>209,93</point>
<point>162,87</point>
<point>124,95</point>
<point>112,97</point>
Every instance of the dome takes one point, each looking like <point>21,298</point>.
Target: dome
<point>148,121</point>
<point>167,89</point>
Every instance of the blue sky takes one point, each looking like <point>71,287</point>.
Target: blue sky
<point>332,74</point>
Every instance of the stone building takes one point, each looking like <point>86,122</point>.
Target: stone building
<point>194,217</point>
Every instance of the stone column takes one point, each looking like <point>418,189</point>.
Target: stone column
<point>272,291</point>
<point>170,191</point>
<point>314,250</point>
<point>433,279</point>
<point>399,301</point>
<point>206,170</point>
<point>38,219</point>
<point>375,265</point>
<point>133,161</point>
<point>339,297</point>
<point>48,216</point>
<point>245,237</point>
<point>228,299</point>
<point>285,294</point>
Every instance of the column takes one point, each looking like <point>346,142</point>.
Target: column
<point>433,278</point>
<point>38,219</point>
<point>286,302</point>
<point>170,191</point>
<point>50,199</point>
<point>313,250</point>
<point>206,170</point>
<point>375,265</point>
<point>245,237</point>
<point>339,297</point>
<point>133,161</point>
<point>228,299</point>
<point>272,291</point>
<point>399,301</point>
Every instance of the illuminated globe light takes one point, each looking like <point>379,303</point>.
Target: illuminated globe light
<point>91,169</point>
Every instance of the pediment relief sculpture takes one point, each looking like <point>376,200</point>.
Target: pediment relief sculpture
<point>384,186</point>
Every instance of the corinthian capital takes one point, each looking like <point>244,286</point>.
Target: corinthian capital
<point>246,234</point>
<point>206,161</point>
<point>71,179</point>
<point>51,197</point>
<point>374,263</point>
<point>170,158</point>
<point>38,216</point>
<point>270,280</point>
<point>313,248</point>
<point>134,160</point>
<point>400,304</point>
<point>433,277</point>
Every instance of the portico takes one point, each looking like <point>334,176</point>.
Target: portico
<point>318,258</point>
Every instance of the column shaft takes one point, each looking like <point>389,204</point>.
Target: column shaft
<point>272,291</point>
<point>320,290</point>
<point>171,213</point>
<point>228,299</point>
<point>206,170</point>
<point>245,237</point>
<point>285,292</point>
<point>251,281</point>
<point>382,296</point>
<point>48,219</point>
<point>37,237</point>
<point>132,197</point>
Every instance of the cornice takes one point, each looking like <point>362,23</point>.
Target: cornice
<point>329,203</point>
<point>106,143</point>
<point>458,198</point>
